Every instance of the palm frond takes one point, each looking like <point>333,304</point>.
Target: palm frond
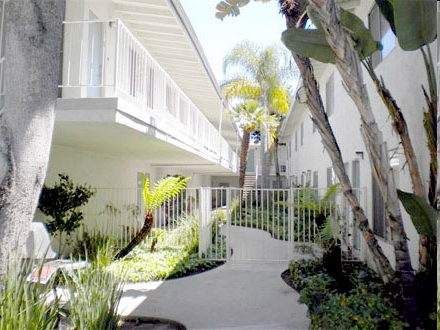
<point>246,56</point>
<point>241,88</point>
<point>331,193</point>
<point>164,189</point>
<point>279,101</point>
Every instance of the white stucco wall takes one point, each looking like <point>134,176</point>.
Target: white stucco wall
<point>403,73</point>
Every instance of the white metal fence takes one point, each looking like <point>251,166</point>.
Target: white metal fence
<point>104,59</point>
<point>290,218</point>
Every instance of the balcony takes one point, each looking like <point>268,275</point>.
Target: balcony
<point>109,73</point>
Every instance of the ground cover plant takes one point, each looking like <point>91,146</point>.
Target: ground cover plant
<point>165,254</point>
<point>355,299</point>
<point>86,299</point>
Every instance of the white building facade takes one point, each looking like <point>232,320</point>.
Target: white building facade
<point>308,162</point>
<point>137,96</point>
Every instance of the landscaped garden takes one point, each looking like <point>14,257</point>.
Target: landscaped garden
<point>345,295</point>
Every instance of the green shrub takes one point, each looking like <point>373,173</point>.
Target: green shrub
<point>186,235</point>
<point>360,310</point>
<point>192,264</point>
<point>94,298</point>
<point>317,288</point>
<point>95,247</point>
<point>301,269</point>
<point>362,307</point>
<point>62,204</point>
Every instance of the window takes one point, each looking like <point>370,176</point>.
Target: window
<point>315,179</point>
<point>379,221</point>
<point>302,133</point>
<point>150,96</point>
<point>356,182</point>
<point>250,165</point>
<point>330,95</point>
<point>331,180</point>
<point>296,141</point>
<point>133,72</point>
<point>293,180</point>
<point>283,168</point>
<point>183,111</point>
<point>381,31</point>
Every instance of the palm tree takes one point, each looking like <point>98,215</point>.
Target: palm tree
<point>260,76</point>
<point>250,117</point>
<point>164,189</point>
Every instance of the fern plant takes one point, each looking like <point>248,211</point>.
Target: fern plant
<point>164,189</point>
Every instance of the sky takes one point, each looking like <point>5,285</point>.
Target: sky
<point>257,22</point>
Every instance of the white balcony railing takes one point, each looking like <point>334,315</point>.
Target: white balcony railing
<point>104,59</point>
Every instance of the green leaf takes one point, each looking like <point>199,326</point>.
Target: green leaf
<point>308,43</point>
<point>229,7</point>
<point>416,22</point>
<point>422,214</point>
<point>387,9</point>
<point>313,44</point>
<point>365,45</point>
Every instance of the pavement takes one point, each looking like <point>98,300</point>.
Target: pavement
<point>244,293</point>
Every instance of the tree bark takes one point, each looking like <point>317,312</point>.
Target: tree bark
<point>401,128</point>
<point>348,65</point>
<point>140,235</point>
<point>33,30</point>
<point>265,159</point>
<point>320,119</point>
<point>243,157</point>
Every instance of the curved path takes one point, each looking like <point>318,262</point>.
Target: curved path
<point>238,295</point>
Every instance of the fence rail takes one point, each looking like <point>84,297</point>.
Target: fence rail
<point>294,216</point>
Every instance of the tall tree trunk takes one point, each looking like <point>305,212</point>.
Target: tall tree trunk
<point>265,159</point>
<point>243,156</point>
<point>427,249</point>
<point>33,33</point>
<point>277,161</point>
<point>348,65</point>
<point>140,235</point>
<point>319,117</point>
<point>328,139</point>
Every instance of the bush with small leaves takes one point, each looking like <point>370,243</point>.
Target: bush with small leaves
<point>62,204</point>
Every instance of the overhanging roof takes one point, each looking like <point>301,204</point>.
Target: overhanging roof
<point>164,29</point>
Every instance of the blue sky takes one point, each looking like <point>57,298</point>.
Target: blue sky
<point>258,22</point>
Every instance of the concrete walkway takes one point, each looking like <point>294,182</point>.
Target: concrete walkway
<point>237,295</point>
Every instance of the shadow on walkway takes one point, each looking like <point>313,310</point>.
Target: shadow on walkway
<point>237,295</point>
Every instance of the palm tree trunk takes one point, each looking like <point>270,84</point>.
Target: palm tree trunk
<point>243,157</point>
<point>319,117</point>
<point>348,65</point>
<point>265,159</point>
<point>32,33</point>
<point>277,162</point>
<point>140,235</point>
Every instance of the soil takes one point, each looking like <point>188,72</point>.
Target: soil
<point>285,276</point>
<point>148,323</point>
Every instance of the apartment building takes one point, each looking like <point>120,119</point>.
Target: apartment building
<point>137,97</point>
<point>307,161</point>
